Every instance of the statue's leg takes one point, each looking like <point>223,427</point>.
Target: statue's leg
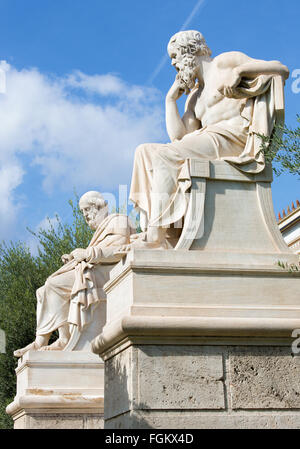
<point>156,234</point>
<point>142,176</point>
<point>53,308</point>
<point>38,343</point>
<point>53,301</point>
<point>160,181</point>
<point>61,342</point>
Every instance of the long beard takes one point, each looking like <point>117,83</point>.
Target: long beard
<point>96,218</point>
<point>91,220</point>
<point>187,71</point>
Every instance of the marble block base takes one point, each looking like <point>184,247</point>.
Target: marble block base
<point>199,336</point>
<point>201,340</point>
<point>62,390</point>
<point>203,386</point>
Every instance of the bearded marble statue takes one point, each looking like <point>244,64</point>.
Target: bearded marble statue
<point>230,100</point>
<point>68,295</point>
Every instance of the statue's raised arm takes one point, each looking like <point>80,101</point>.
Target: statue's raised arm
<point>231,100</point>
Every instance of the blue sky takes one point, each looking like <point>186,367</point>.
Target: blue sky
<point>85,84</point>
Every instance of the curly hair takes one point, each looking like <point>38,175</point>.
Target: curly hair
<point>190,41</point>
<point>93,198</point>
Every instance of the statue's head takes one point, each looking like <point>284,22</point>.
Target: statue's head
<point>94,208</point>
<point>184,48</point>
<point>189,41</point>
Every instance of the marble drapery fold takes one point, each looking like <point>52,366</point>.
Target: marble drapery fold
<point>70,292</point>
<point>161,178</point>
<point>260,113</point>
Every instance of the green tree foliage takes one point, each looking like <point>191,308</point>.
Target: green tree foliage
<point>21,274</point>
<point>283,149</point>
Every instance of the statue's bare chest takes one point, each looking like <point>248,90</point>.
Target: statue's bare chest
<point>207,99</point>
<point>210,103</point>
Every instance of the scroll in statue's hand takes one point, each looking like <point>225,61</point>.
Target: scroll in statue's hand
<point>233,80</point>
<point>79,254</point>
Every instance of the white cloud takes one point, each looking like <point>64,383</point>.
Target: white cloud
<point>101,84</point>
<point>11,176</point>
<point>77,131</point>
<point>111,85</point>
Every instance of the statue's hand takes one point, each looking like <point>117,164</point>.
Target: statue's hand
<point>177,89</point>
<point>66,258</point>
<point>79,254</point>
<point>233,81</point>
<point>137,236</point>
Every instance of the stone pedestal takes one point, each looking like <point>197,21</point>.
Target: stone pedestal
<point>58,390</point>
<point>193,345</point>
<point>203,384</point>
<point>200,336</point>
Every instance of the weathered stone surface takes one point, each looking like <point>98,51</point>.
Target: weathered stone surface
<point>212,420</point>
<point>59,421</point>
<point>204,387</point>
<point>164,377</point>
<point>118,383</point>
<point>53,421</point>
<point>93,422</point>
<point>180,377</point>
<point>264,378</point>
<point>58,389</point>
<point>21,422</point>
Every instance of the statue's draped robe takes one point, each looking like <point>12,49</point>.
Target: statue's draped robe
<point>69,294</point>
<point>161,177</point>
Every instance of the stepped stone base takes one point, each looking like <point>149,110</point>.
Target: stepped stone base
<point>50,420</point>
<point>58,390</point>
<point>201,340</point>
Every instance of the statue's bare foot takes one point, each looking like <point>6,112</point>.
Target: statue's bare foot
<point>34,346</point>
<point>58,345</point>
<point>141,243</point>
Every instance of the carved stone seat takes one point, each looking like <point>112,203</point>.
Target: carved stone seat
<point>231,212</point>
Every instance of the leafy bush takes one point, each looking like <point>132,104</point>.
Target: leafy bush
<point>283,149</point>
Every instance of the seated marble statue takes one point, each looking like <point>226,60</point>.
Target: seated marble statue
<point>230,100</point>
<point>69,293</point>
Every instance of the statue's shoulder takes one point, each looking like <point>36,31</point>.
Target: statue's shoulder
<point>231,59</point>
<point>118,220</point>
<point>115,217</point>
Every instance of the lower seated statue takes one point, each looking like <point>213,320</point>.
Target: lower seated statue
<point>67,300</point>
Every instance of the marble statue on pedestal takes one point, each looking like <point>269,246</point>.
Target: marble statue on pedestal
<point>194,337</point>
<point>231,99</point>
<point>68,295</point>
<point>198,335</point>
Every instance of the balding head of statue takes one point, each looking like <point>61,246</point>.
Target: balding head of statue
<point>185,48</point>
<point>94,208</point>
